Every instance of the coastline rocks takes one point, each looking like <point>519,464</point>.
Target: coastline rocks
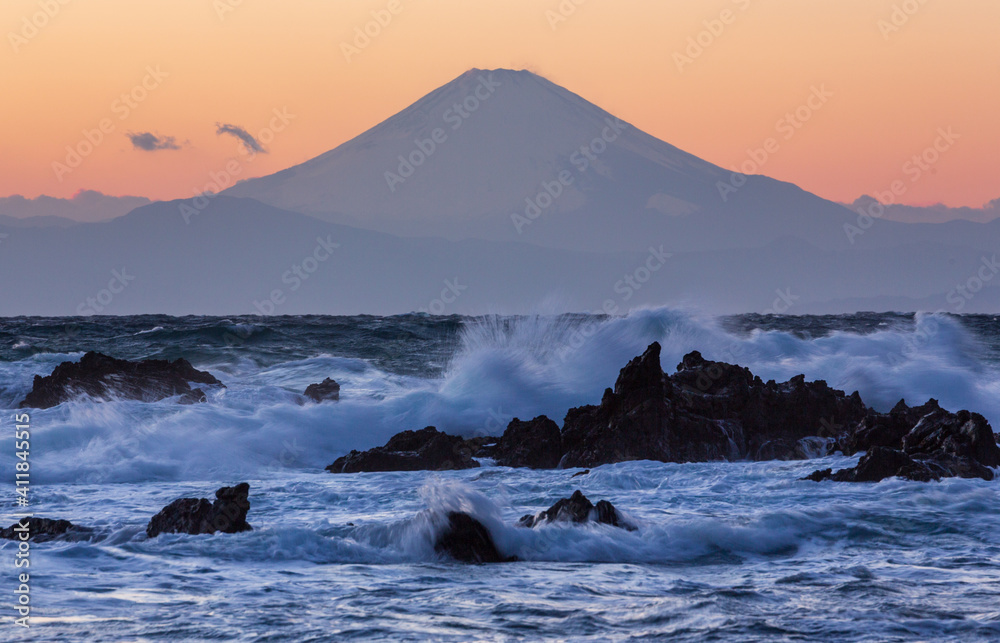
<point>535,444</point>
<point>940,445</point>
<point>44,529</point>
<point>706,411</point>
<point>227,514</point>
<point>326,391</point>
<point>105,378</point>
<point>425,450</point>
<point>468,541</point>
<point>577,509</point>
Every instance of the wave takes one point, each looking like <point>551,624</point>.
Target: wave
<point>497,368</point>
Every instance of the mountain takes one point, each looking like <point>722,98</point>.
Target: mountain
<point>86,206</point>
<point>504,140</point>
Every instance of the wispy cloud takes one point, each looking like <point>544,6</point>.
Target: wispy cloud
<point>251,143</point>
<point>151,142</point>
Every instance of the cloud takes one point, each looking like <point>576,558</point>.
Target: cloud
<point>151,142</point>
<point>252,144</point>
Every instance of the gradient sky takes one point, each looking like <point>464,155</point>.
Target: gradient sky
<point>892,90</point>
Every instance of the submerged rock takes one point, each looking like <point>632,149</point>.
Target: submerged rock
<point>227,514</point>
<point>535,444</point>
<point>467,540</point>
<point>578,509</point>
<point>105,378</point>
<point>939,445</point>
<point>326,391</point>
<point>425,450</point>
<point>44,529</point>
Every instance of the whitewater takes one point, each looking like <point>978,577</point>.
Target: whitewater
<point>724,551</point>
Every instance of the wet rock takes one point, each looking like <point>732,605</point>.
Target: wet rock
<point>467,540</point>
<point>578,509</point>
<point>43,529</point>
<point>940,445</point>
<point>580,473</point>
<point>105,378</point>
<point>425,450</point>
<point>227,514</point>
<point>706,411</point>
<point>326,391</point>
<point>535,444</point>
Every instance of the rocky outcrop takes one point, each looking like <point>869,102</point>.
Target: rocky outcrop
<point>105,378</point>
<point>44,529</point>
<point>535,444</point>
<point>578,509</point>
<point>326,391</point>
<point>227,514</point>
<point>706,411</point>
<point>467,540</point>
<point>938,445</point>
<point>425,450</point>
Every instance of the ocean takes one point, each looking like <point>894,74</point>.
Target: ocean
<point>724,550</point>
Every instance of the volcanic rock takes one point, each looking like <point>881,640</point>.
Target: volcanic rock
<point>227,514</point>
<point>467,540</point>
<point>105,378</point>
<point>425,450</point>
<point>535,444</point>
<point>577,509</point>
<point>44,529</point>
<point>326,391</point>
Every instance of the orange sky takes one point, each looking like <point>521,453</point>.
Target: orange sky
<point>892,90</point>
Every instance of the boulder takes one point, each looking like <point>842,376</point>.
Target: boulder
<point>425,450</point>
<point>577,509</point>
<point>535,444</point>
<point>105,378</point>
<point>467,540</point>
<point>326,391</point>
<point>43,529</point>
<point>227,514</point>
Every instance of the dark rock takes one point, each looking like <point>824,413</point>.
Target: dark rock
<point>819,476</point>
<point>425,450</point>
<point>580,473</point>
<point>578,509</point>
<point>482,446</point>
<point>326,391</point>
<point>535,444</point>
<point>227,514</point>
<point>43,529</point>
<point>105,378</point>
<point>885,429</point>
<point>941,445</point>
<point>706,411</point>
<point>466,540</point>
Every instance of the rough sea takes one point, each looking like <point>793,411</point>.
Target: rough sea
<point>726,551</point>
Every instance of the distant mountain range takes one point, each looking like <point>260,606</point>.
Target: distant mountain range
<point>502,192</point>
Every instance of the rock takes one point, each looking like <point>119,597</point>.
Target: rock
<point>227,514</point>
<point>43,529</point>
<point>706,411</point>
<point>940,445</point>
<point>326,391</point>
<point>105,378</point>
<point>466,540</point>
<point>425,450</point>
<point>535,444</point>
<point>884,429</point>
<point>580,473</point>
<point>578,509</point>
<point>482,446</point>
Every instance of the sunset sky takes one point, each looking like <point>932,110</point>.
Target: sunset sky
<point>893,86</point>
